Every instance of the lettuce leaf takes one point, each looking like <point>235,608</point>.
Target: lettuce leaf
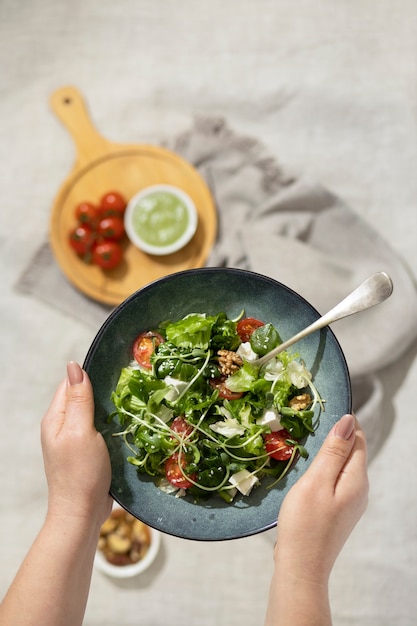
<point>244,378</point>
<point>193,331</point>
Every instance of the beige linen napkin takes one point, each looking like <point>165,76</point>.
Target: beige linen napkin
<point>288,228</point>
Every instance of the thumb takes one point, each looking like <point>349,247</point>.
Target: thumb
<point>336,449</point>
<point>79,397</point>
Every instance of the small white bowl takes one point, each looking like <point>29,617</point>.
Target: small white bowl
<point>127,571</point>
<point>160,219</point>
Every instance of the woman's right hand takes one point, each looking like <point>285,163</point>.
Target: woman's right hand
<point>322,508</point>
<point>316,517</point>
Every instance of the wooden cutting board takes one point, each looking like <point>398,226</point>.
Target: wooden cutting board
<point>102,166</point>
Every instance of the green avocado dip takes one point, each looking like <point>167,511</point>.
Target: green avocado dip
<point>160,218</point>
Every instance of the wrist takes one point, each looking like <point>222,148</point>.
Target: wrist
<point>297,596</point>
<point>79,511</point>
<point>301,564</point>
<point>76,522</point>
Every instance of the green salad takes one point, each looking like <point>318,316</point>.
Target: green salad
<point>198,414</point>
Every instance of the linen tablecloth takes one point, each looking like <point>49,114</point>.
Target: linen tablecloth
<point>323,96</point>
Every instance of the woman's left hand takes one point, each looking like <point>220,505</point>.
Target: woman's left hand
<point>77,463</point>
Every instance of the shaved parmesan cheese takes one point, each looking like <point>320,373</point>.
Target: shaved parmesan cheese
<point>245,352</point>
<point>270,418</point>
<point>244,481</point>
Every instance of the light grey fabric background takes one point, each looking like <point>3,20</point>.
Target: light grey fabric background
<point>290,229</point>
<point>330,90</point>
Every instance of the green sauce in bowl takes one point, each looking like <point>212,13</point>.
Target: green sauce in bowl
<point>160,219</point>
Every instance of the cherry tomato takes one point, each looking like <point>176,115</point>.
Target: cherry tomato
<point>181,426</point>
<point>224,392</point>
<point>111,227</point>
<point>107,254</point>
<point>246,327</point>
<point>81,239</point>
<point>87,213</point>
<point>174,474</point>
<point>112,203</point>
<point>276,446</point>
<point>144,346</point>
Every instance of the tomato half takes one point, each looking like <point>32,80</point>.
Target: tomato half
<point>81,239</point>
<point>111,227</point>
<point>144,346</point>
<point>181,426</point>
<point>112,203</point>
<point>87,213</point>
<point>174,474</point>
<point>107,254</point>
<point>246,327</point>
<point>276,446</point>
<point>224,392</point>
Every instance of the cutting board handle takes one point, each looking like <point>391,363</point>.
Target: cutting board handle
<point>68,105</point>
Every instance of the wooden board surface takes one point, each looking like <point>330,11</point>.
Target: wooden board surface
<point>102,166</point>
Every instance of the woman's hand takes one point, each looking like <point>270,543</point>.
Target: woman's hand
<point>76,458</point>
<point>323,507</point>
<point>316,517</point>
<point>51,587</point>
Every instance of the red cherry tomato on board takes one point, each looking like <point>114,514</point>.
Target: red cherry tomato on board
<point>81,239</point>
<point>107,254</point>
<point>112,203</point>
<point>277,447</point>
<point>111,227</point>
<point>174,474</point>
<point>246,327</point>
<point>224,392</point>
<point>144,346</point>
<point>87,213</point>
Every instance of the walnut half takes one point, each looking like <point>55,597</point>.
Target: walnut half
<point>229,362</point>
<point>301,402</point>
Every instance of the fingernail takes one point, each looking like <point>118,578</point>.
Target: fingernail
<point>74,373</point>
<point>344,427</point>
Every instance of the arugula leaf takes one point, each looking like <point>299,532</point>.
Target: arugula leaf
<point>298,423</point>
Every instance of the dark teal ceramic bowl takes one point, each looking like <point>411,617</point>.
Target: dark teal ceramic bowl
<point>211,290</point>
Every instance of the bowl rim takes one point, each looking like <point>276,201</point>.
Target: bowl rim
<point>265,524</point>
<point>177,245</point>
